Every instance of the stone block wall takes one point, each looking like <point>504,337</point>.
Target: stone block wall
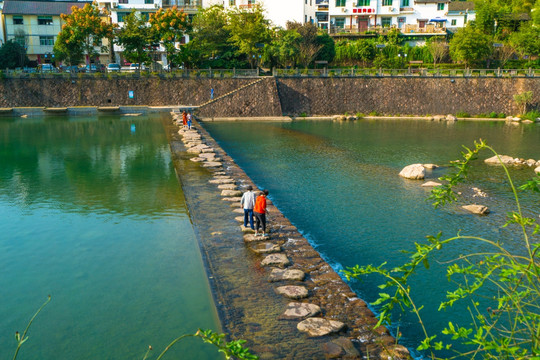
<point>392,96</point>
<point>260,98</point>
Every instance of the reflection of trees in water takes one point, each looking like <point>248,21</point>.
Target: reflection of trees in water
<point>88,165</point>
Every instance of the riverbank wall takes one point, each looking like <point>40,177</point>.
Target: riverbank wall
<point>273,96</point>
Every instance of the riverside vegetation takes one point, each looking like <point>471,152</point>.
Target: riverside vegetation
<point>501,287</point>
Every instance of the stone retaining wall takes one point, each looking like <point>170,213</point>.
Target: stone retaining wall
<point>394,96</point>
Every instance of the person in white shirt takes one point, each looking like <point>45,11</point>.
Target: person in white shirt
<point>248,202</point>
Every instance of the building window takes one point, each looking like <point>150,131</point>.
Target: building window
<point>387,3</point>
<point>232,2</point>
<point>123,1</point>
<point>454,22</point>
<point>21,40</point>
<point>386,22</point>
<point>148,1</point>
<point>404,3</point>
<point>305,18</point>
<point>44,20</point>
<point>145,16</point>
<point>46,40</point>
<point>440,6</point>
<point>18,20</point>
<point>121,16</point>
<point>340,3</point>
<point>363,3</point>
<point>340,23</point>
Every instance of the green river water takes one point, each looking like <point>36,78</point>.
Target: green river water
<point>338,183</point>
<point>92,213</point>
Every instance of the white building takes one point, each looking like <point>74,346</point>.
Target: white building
<point>277,11</point>
<point>459,14</point>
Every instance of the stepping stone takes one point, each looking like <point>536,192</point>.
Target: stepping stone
<point>252,238</point>
<point>246,229</point>
<point>219,173</point>
<point>212,164</point>
<point>197,159</point>
<point>279,260</point>
<point>264,247</point>
<point>208,156</point>
<point>343,348</point>
<point>207,150</point>
<point>239,211</point>
<point>296,311</point>
<point>431,184</point>
<point>231,193</point>
<point>232,199</point>
<point>228,187</point>
<point>239,219</point>
<point>221,181</point>
<point>217,176</point>
<point>319,326</point>
<point>477,209</point>
<point>292,291</point>
<point>284,275</point>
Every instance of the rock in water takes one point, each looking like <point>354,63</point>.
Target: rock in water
<point>414,172</point>
<point>476,209</point>
<point>431,184</point>
<point>289,274</point>
<point>506,160</point>
<point>292,291</point>
<point>296,310</point>
<point>280,260</point>
<point>319,326</point>
<point>537,170</point>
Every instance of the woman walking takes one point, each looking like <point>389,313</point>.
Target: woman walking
<point>259,210</point>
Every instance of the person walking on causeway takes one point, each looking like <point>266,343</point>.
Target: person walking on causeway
<point>184,118</point>
<point>260,213</point>
<point>248,202</point>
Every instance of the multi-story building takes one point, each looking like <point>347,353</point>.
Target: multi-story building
<point>459,14</point>
<point>277,11</point>
<point>35,25</point>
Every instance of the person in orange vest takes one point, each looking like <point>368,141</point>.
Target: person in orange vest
<point>184,118</point>
<point>260,211</point>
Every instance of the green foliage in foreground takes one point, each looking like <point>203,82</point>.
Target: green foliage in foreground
<point>232,350</point>
<point>510,327</point>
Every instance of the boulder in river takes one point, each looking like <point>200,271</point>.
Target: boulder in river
<point>296,310</point>
<point>293,291</point>
<point>414,172</point>
<point>494,160</point>
<point>477,209</point>
<point>431,184</point>
<point>537,170</point>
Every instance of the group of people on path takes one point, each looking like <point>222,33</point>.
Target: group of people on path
<point>255,206</point>
<point>186,119</point>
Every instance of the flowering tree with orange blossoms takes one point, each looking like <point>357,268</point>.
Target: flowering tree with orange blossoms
<point>169,27</point>
<point>84,29</point>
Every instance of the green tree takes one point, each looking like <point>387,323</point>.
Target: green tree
<point>527,40</point>
<point>308,46</point>
<point>470,45</point>
<point>210,44</point>
<point>328,48</point>
<point>169,26</point>
<point>12,55</point>
<point>135,38</point>
<point>67,51</point>
<point>438,50</point>
<point>84,28</point>
<point>249,30</point>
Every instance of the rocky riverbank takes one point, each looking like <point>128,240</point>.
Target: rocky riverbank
<point>309,298</point>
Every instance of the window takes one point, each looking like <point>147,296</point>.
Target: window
<point>123,1</point>
<point>46,40</point>
<point>122,16</point>
<point>363,3</point>
<point>340,23</point>
<point>44,20</point>
<point>440,6</point>
<point>232,2</point>
<point>145,16</point>
<point>340,3</point>
<point>148,1</point>
<point>454,22</point>
<point>386,22</point>
<point>387,3</point>
<point>21,40</point>
<point>18,20</point>
<point>404,3</point>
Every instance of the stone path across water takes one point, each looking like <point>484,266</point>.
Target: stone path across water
<point>344,326</point>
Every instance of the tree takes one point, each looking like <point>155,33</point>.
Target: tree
<point>505,53</point>
<point>470,45</point>
<point>169,26</point>
<point>328,49</point>
<point>84,29</point>
<point>249,30</point>
<point>438,50</point>
<point>135,38</point>
<point>308,46</point>
<point>523,99</point>
<point>527,40</point>
<point>12,55</point>
<point>210,36</point>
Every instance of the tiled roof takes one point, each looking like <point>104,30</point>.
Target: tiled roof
<point>461,6</point>
<point>40,7</point>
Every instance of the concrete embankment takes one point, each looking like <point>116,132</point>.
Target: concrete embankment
<point>275,292</point>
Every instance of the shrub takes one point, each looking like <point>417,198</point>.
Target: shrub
<point>501,115</point>
<point>359,115</point>
<point>532,115</point>
<point>374,113</point>
<point>493,114</point>
<point>463,114</point>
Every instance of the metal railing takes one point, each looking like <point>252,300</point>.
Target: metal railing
<point>409,72</point>
<point>134,74</point>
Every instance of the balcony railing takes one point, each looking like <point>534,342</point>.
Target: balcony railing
<point>379,30</point>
